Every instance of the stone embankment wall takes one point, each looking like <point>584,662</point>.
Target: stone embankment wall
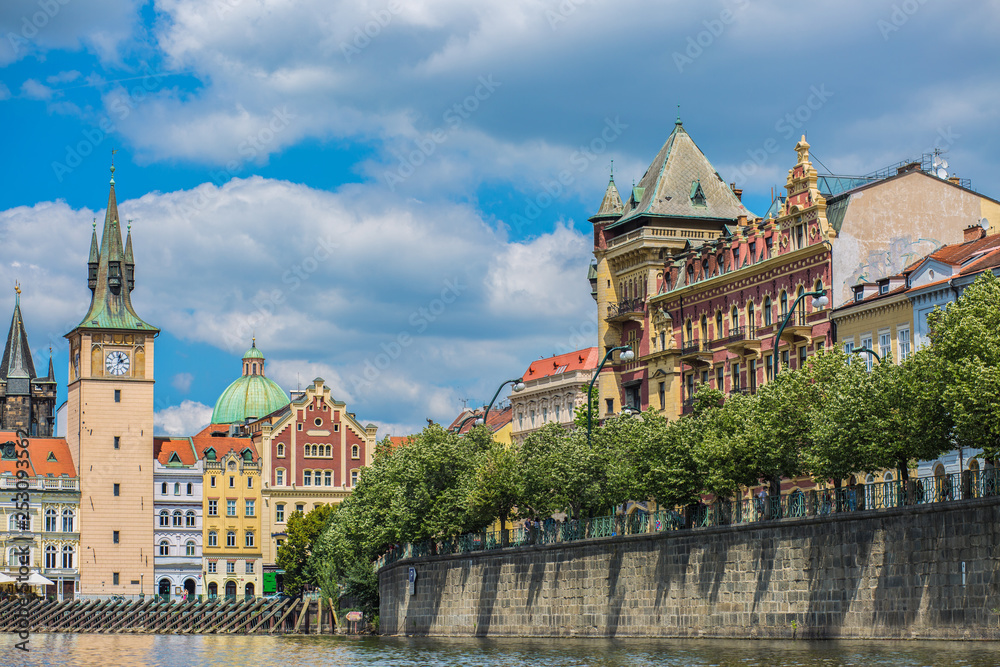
<point>931,571</point>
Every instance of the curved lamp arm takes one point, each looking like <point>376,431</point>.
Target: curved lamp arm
<point>518,386</point>
<point>627,355</point>
<point>819,301</point>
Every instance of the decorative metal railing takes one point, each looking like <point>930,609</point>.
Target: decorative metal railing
<point>626,307</point>
<point>721,512</point>
<point>741,333</point>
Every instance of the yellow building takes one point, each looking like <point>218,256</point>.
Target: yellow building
<point>231,510</point>
<point>879,317</point>
<point>110,422</point>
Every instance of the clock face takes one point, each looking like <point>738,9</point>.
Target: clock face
<point>117,363</point>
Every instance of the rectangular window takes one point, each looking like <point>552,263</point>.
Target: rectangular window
<point>118,395</point>
<point>734,374</point>
<point>300,508</point>
<point>849,351</point>
<point>662,390</point>
<point>689,385</point>
<point>118,442</point>
<point>354,477</point>
<point>867,343</point>
<point>115,536</point>
<point>307,478</point>
<point>232,482</point>
<point>884,345</point>
<point>802,356</point>
<point>212,567</point>
<point>279,477</point>
<point>609,405</point>
<point>752,380</point>
<point>249,482</point>
<point>704,378</point>
<point>213,508</point>
<point>114,578</point>
<point>249,569</point>
<point>784,359</point>
<point>279,513</point>
<point>230,508</point>
<point>903,340</point>
<point>720,382</point>
<point>230,567</point>
<point>299,426</point>
<point>211,481</point>
<point>328,478</point>
<point>250,507</point>
<point>769,367</point>
<point>117,489</point>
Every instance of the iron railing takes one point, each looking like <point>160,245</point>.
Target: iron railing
<point>873,496</point>
<point>626,307</point>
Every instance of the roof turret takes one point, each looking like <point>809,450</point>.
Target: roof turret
<point>17,367</point>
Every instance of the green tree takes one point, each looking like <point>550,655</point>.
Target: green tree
<point>293,555</point>
<point>965,341</point>
<point>560,473</point>
<point>495,491</point>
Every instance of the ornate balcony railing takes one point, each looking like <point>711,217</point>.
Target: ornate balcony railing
<point>626,307</point>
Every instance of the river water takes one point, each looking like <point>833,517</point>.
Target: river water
<point>259,651</point>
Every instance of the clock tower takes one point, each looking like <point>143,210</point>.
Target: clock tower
<point>109,424</point>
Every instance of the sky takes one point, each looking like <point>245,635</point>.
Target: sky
<point>393,196</point>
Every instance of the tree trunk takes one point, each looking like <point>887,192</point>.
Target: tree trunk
<point>503,530</point>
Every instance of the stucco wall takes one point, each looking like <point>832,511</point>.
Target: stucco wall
<point>888,573</point>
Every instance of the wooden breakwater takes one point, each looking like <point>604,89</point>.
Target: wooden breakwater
<point>255,616</point>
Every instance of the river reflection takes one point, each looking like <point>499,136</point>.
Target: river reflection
<point>221,651</point>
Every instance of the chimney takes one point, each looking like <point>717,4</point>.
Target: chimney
<point>741,221</point>
<point>736,191</point>
<point>955,180</point>
<point>973,233</point>
<point>912,166</point>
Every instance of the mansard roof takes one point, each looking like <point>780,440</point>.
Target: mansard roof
<point>682,183</point>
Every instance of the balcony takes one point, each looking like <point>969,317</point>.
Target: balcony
<point>742,341</point>
<point>627,309</point>
<point>696,353</point>
<point>798,329</point>
<point>687,407</point>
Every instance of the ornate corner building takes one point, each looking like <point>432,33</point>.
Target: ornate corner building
<point>699,287</point>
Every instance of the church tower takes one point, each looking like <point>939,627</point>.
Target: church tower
<point>28,401</point>
<point>109,424</point>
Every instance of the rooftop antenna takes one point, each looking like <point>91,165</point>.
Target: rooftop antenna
<point>939,164</point>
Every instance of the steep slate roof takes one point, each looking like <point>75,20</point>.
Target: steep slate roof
<point>668,186</point>
<point>16,355</point>
<point>586,359</point>
<point>611,205</point>
<point>107,309</point>
<point>39,450</point>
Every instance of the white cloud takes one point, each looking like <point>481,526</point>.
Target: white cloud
<point>185,419</point>
<point>182,382</point>
<point>34,90</point>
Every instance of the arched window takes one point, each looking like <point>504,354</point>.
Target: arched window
<point>164,518</point>
<point>164,548</point>
<point>329,450</point>
<point>67,517</point>
<point>20,522</point>
<point>249,538</point>
<point>784,304</point>
<point>281,450</point>
<point>355,452</point>
<point>67,557</point>
<point>189,519</point>
<point>704,329</point>
<point>190,489</point>
<point>254,366</point>
<point>734,319</point>
<point>690,332</point>
<point>751,317</point>
<point>231,538</point>
<point>51,519</point>
<point>189,548</point>
<point>177,488</point>
<point>163,488</point>
<point>213,538</point>
<point>178,519</point>
<point>50,557</point>
<point>767,311</point>
<point>718,324</point>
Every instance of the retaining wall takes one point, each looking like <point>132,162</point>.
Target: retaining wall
<point>930,571</point>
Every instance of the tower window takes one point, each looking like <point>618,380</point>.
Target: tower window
<point>117,489</point>
<point>114,578</point>
<point>118,443</point>
<point>118,395</point>
<point>115,536</point>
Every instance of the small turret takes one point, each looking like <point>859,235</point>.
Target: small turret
<point>129,262</point>
<point>95,260</point>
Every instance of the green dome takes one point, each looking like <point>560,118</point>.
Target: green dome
<point>253,352</point>
<point>248,396</point>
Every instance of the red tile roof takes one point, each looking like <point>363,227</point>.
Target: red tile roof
<point>39,451</point>
<point>163,448</point>
<point>223,445</point>
<point>586,359</point>
<point>499,417</point>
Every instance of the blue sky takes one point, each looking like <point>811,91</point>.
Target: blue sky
<point>372,188</point>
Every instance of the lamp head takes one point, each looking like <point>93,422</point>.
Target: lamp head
<point>628,355</point>
<point>519,386</point>
<point>478,422</point>
<point>820,302</point>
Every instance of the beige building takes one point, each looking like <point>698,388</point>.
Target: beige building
<point>110,423</point>
<point>553,389</point>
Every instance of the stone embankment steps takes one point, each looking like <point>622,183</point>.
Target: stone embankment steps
<point>153,615</point>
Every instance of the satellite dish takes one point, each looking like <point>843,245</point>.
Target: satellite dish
<point>984,223</point>
<point>936,162</point>
<point>942,173</point>
<point>944,163</point>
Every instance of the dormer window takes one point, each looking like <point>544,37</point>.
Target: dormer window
<point>210,454</point>
<point>859,293</point>
<point>883,288</point>
<point>697,194</point>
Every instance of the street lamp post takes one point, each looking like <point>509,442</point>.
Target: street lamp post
<point>868,350</point>
<point>518,386</point>
<point>627,355</point>
<point>819,301</point>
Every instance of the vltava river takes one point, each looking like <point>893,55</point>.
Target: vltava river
<point>197,651</point>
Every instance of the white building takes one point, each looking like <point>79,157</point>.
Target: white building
<point>553,388</point>
<point>177,503</point>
